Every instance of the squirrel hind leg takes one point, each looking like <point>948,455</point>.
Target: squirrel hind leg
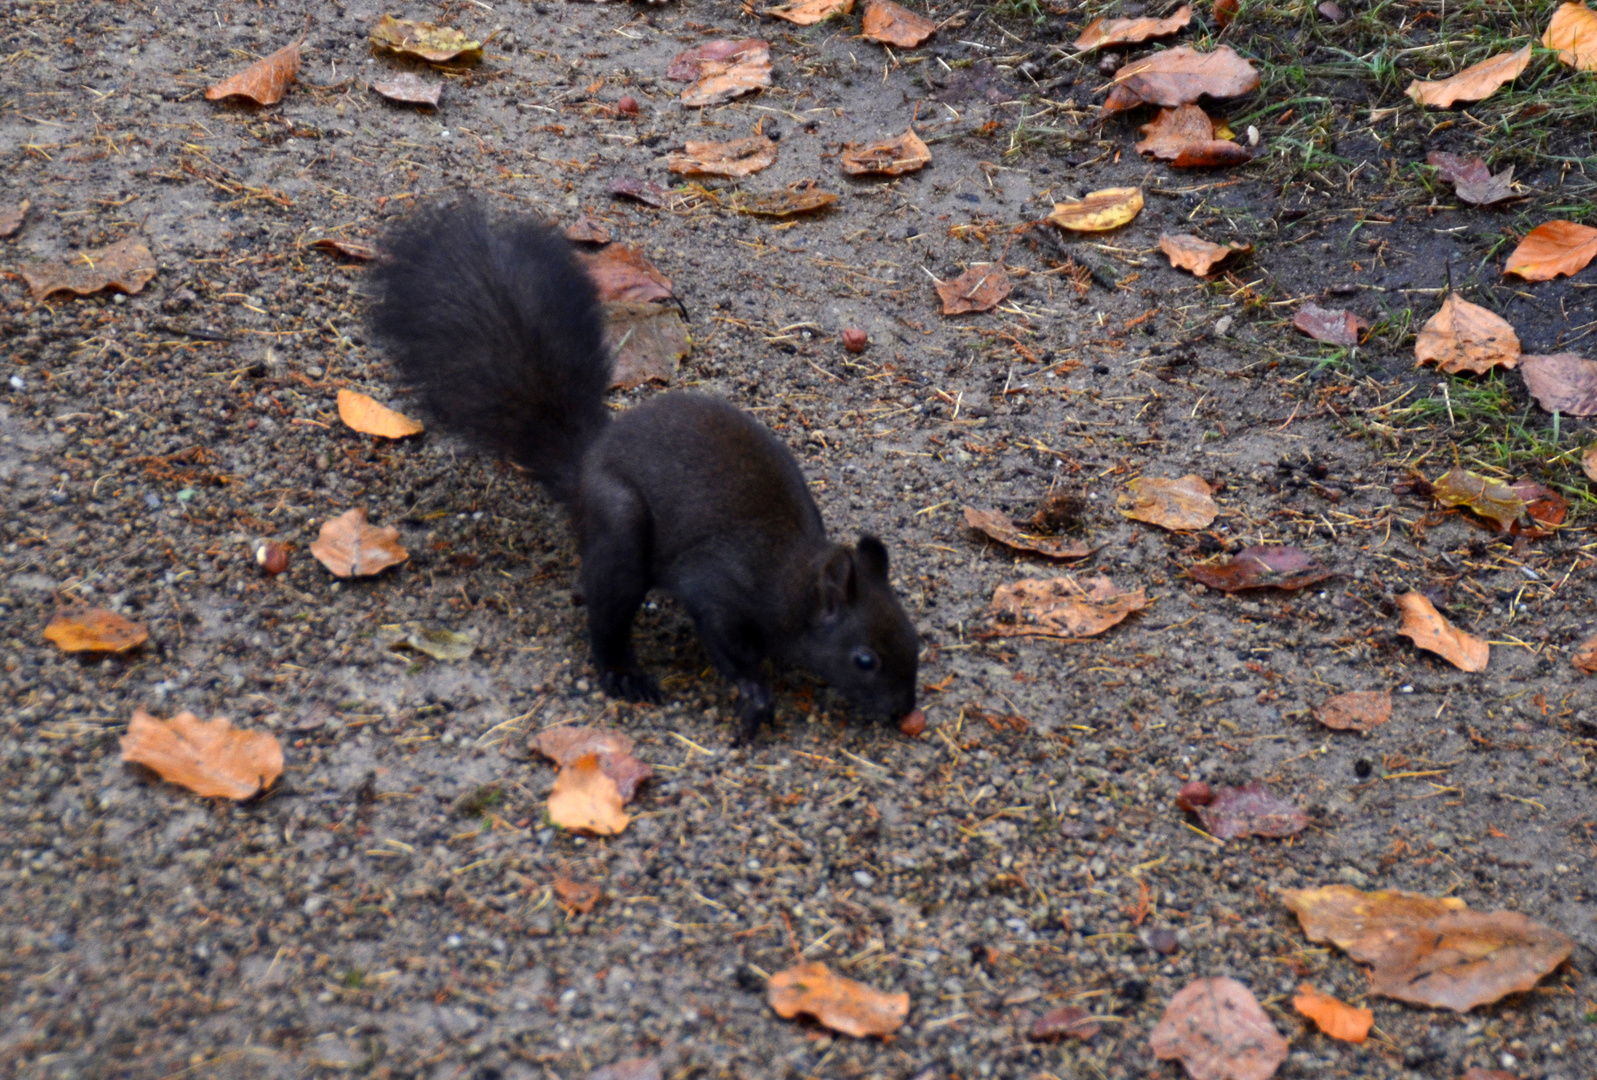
<point>615,580</point>
<point>756,707</point>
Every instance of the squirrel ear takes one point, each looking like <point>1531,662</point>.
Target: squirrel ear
<point>873,555</point>
<point>837,582</point>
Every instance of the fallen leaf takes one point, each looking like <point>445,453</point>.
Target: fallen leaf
<point>1100,211</point>
<point>438,643</point>
<point>981,288</point>
<point>347,248</point>
<point>688,66</point>
<point>94,630</point>
<point>1178,76</point>
<point>1472,181</point>
<point>1225,11</point>
<point>1475,82</point>
<point>1426,627</point>
<point>586,799</point>
<point>1588,462</point>
<point>838,1003</point>
<point>1562,383</point>
<point>893,157</point>
<point>210,758</point>
<point>1103,32</point>
<point>1359,710</point>
<point>1183,504</point>
<point>630,1069</point>
<point>1463,336</point>
<point>1188,252</point>
<point>810,12</point>
<point>360,413</point>
<point>1065,1022</point>
<point>644,191</point>
<point>625,273</point>
<point>802,197</point>
<point>888,23</point>
<point>408,88</point>
<point>723,79</point>
<point>126,265</point>
<point>576,897</point>
<point>586,230</point>
<point>350,547</point>
<point>565,745</point>
<point>739,157</point>
<point>1428,951</point>
<point>11,215</point>
<point>1061,607</point>
<point>1585,656</point>
<point>263,82</point>
<point>1481,494</point>
<point>1217,1030</point>
<point>1573,32</point>
<point>1333,1016</point>
<point>1332,325</point>
<point>1272,567</point>
<point>1551,249</point>
<point>424,41</point>
<point>1475,1072</point>
<point>1185,137</point>
<point>647,340</point>
<point>1543,505</point>
<point>995,525</point>
<point>1250,810</point>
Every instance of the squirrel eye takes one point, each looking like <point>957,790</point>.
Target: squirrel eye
<point>865,660</point>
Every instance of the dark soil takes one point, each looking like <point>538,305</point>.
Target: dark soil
<point>387,910</point>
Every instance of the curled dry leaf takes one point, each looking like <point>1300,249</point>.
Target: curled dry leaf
<point>94,630</point>
<point>981,288</point>
<point>587,230</point>
<point>803,197</point>
<point>11,215</point>
<point>1187,503</point>
<point>1100,211</point>
<point>263,82</point>
<point>1426,627</point>
<point>424,41</point>
<point>1475,82</point>
<point>1217,1030</point>
<point>408,88</point>
<point>1272,567</point>
<point>1061,607</point>
<point>1551,249</point>
<point>739,157</point>
<point>1333,1016</point>
<point>1102,32</point>
<point>1358,710</point>
<point>586,799</point>
<point>1463,336</point>
<point>1065,1022</point>
<point>721,79</point>
<point>1179,76</point>
<point>1331,325</point>
<point>625,273</point>
<point>126,266</point>
<point>1188,252</point>
<point>892,24</point>
<point>648,341</point>
<point>646,192</point>
<point>1250,810</point>
<point>688,66</point>
<point>360,413</point>
<point>350,547</point>
<point>1429,951</point>
<point>841,1004</point>
<point>1480,494</point>
<point>433,641</point>
<point>1562,383</point>
<point>996,526</point>
<point>810,12</point>
<point>1573,33</point>
<point>1585,656</point>
<point>210,758</point>
<point>1185,137</point>
<point>894,157</point>
<point>566,745</point>
<point>576,897</point>
<point>347,248</point>
<point>1472,181</point>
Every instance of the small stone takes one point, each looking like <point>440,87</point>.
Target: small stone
<point>1441,841</point>
<point>627,106</point>
<point>864,878</point>
<point>854,339</point>
<point>1352,875</point>
<point>1331,11</point>
<point>1162,941</point>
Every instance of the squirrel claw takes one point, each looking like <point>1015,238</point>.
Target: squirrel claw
<point>630,686</point>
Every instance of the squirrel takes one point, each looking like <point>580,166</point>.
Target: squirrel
<point>496,325</point>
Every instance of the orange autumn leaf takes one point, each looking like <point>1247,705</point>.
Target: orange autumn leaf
<point>263,82</point>
<point>1198,255</point>
<point>1429,630</point>
<point>841,1004</point>
<point>620,273</point>
<point>736,158</point>
<point>1061,607</point>
<point>1551,249</point>
<point>350,547</point>
<point>1585,657</point>
<point>94,630</point>
<point>888,23</point>
<point>996,526</point>
<point>1333,1016</point>
<point>810,12</point>
<point>1185,137</point>
<point>980,288</point>
<point>567,745</point>
<point>1102,32</point>
<point>1357,710</point>
<point>576,897</point>
<point>901,154</point>
<point>126,266</point>
<point>1178,76</point>
<point>360,413</point>
<point>586,799</point>
<point>1473,83</point>
<point>210,758</point>
<point>1573,32</point>
<point>720,78</point>
<point>1099,211</point>
<point>1463,336</point>
<point>1178,505</point>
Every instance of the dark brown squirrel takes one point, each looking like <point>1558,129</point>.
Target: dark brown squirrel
<point>494,323</point>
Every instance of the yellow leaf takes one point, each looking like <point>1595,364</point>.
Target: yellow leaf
<point>366,416</point>
<point>1100,211</point>
<point>1573,32</point>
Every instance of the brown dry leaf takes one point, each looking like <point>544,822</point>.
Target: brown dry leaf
<point>1429,951</point>
<point>424,41</point>
<point>739,157</point>
<point>565,745</point>
<point>1187,503</point>
<point>625,273</point>
<point>1065,1022</point>
<point>1475,82</point>
<point>350,547</point>
<point>1218,1031</point>
<point>1271,567</point>
<point>1187,252</point>
<point>648,341</point>
<point>347,248</point>
<point>803,197</point>
<point>126,265</point>
<point>1178,76</point>
<point>210,758</point>
<point>981,288</point>
<point>888,23</point>
<point>11,215</point>
<point>360,413</point>
<point>995,525</point>
<point>94,630</point>
<point>1426,627</point>
<point>408,88</point>
<point>810,12</point>
<point>841,1004</point>
<point>1100,211</point>
<point>646,192</point>
<point>1358,710</point>
<point>1332,325</point>
<point>1334,1016</point>
<point>1551,249</point>
<point>263,82</point>
<point>587,230</point>
<point>576,897</point>
<point>1585,657</point>
<point>1250,810</point>
<point>893,157</point>
<point>1185,137</point>
<point>1104,32</point>
<point>1061,607</point>
<point>586,799</point>
<point>1573,32</point>
<point>688,66</point>
<point>1480,494</point>
<point>1543,506</point>
<point>1472,181</point>
<point>723,79</point>
<point>1463,336</point>
<point>1562,383</point>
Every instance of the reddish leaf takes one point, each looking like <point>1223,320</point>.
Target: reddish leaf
<point>648,341</point>
<point>1359,710</point>
<point>981,288</point>
<point>688,66</point>
<point>565,745</point>
<point>587,230</point>
<point>1563,383</point>
<point>737,158</point>
<point>1333,1016</point>
<point>721,79</point>
<point>1217,1030</point>
<point>1198,255</point>
<point>624,273</point>
<point>1472,181</point>
<point>1185,137</point>
<point>901,154</point>
<point>1061,607</point>
<point>1251,810</point>
<point>1335,326</point>
<point>347,248</point>
<point>408,88</point>
<point>1261,568</point>
<point>1180,75</point>
<point>1066,1022</point>
<point>1185,503</point>
<point>644,191</point>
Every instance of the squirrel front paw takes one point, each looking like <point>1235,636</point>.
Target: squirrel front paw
<point>630,686</point>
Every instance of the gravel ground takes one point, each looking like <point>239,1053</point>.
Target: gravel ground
<point>387,910</point>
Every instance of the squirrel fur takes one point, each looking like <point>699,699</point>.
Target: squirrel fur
<point>497,326</point>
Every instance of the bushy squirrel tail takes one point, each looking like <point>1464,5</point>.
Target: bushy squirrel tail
<point>496,325</point>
